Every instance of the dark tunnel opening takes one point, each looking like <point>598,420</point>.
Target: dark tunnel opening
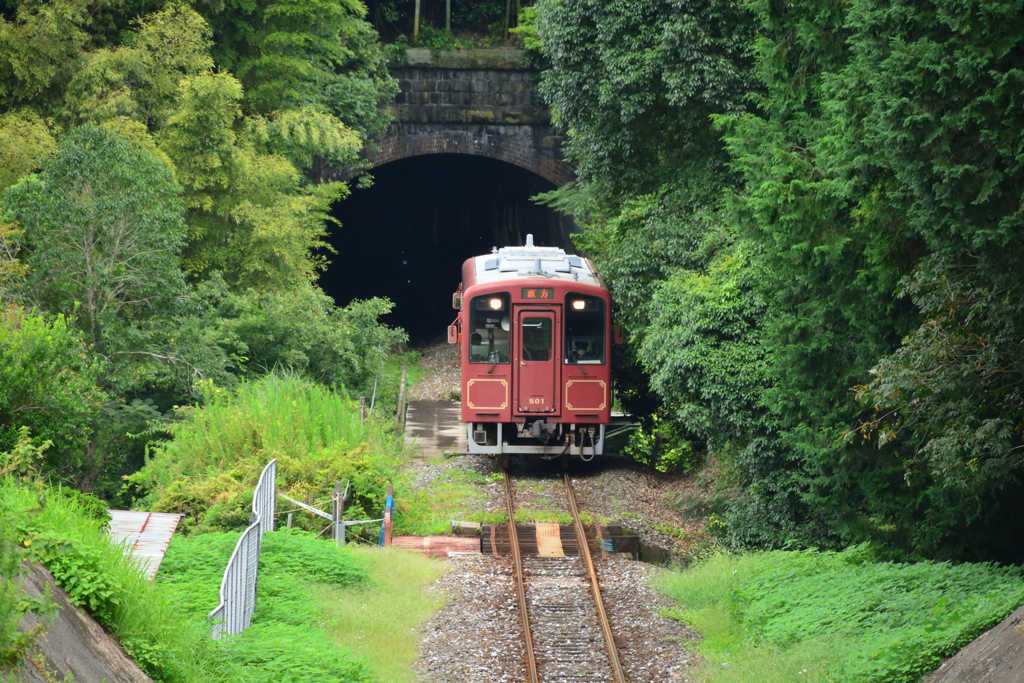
<point>407,236</point>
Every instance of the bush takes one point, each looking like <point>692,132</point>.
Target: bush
<point>302,330</point>
<point>660,444</point>
<point>836,616</point>
<point>210,468</point>
<point>48,383</point>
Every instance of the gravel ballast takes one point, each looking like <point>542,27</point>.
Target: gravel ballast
<point>476,637</point>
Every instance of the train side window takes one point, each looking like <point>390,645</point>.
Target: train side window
<point>584,330</point>
<point>489,325</point>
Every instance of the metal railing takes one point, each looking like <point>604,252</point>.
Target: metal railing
<point>238,588</point>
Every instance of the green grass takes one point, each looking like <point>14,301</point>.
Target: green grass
<point>379,622</point>
<point>68,537</point>
<point>454,495</point>
<point>838,617</point>
<point>287,635</point>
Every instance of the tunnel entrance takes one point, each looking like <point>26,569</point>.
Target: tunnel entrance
<point>407,236</point>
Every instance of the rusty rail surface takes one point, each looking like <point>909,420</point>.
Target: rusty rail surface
<point>531,661</point>
<point>606,625</point>
<point>581,536</point>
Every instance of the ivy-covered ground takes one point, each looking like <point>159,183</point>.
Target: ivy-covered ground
<point>837,617</point>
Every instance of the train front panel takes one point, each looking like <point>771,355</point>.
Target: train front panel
<point>534,346</point>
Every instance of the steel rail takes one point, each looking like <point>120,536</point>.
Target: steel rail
<point>531,662</point>
<point>606,626</point>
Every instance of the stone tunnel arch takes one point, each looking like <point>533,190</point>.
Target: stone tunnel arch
<point>512,151</point>
<point>475,102</point>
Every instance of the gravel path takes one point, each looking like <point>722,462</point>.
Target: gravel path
<point>443,382</point>
<point>476,637</point>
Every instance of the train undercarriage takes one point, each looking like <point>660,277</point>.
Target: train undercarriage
<point>547,440</point>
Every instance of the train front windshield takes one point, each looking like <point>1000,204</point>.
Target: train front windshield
<point>584,330</point>
<point>489,326</point>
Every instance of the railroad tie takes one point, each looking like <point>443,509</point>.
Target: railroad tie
<point>549,540</point>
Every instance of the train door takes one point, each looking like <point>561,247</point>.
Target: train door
<point>536,366</point>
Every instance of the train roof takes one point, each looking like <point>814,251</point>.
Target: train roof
<point>533,262</point>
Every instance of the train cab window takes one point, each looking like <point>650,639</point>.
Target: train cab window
<point>489,325</point>
<point>584,330</point>
<point>536,339</point>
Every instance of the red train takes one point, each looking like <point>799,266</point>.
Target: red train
<point>534,332</point>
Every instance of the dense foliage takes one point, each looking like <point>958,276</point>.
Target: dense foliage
<point>165,183</point>
<point>208,470</point>
<point>809,216</point>
<point>822,616</point>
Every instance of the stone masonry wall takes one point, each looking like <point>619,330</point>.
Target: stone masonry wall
<point>474,102</point>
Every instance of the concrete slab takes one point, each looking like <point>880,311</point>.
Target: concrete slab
<point>74,643</point>
<point>436,427</point>
<point>996,656</point>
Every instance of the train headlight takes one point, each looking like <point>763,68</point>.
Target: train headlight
<point>496,304</point>
<point>579,304</point>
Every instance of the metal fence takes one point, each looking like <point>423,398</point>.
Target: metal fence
<point>238,588</point>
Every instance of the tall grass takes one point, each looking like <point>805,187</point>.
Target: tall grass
<point>838,617</point>
<point>278,416</point>
<point>211,465</point>
<point>379,621</point>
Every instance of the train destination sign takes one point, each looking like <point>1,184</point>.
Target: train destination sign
<point>542,293</point>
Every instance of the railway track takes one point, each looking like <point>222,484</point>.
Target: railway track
<point>567,633</point>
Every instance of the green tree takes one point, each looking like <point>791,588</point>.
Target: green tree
<point>103,229</point>
<point>886,133</point>
<point>48,383</point>
<point>11,267</point>
<point>929,100</point>
<point>42,40</point>
<point>252,215</point>
<point>26,141</point>
<point>634,84</point>
<point>295,54</point>
<point>140,81</point>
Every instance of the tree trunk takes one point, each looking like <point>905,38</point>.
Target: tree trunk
<point>416,23</point>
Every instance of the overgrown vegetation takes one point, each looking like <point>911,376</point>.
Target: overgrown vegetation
<point>809,215</point>
<point>208,470</point>
<point>313,597</point>
<point>841,617</point>
<point>65,531</point>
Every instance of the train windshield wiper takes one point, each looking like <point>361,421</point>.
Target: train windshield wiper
<point>578,364</point>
